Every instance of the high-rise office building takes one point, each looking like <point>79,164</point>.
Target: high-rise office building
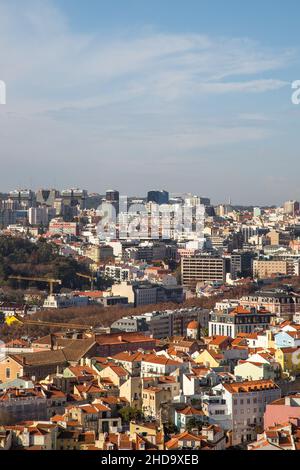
<point>74,197</point>
<point>291,207</point>
<point>24,197</point>
<point>112,196</point>
<point>46,197</point>
<point>159,197</point>
<point>38,216</point>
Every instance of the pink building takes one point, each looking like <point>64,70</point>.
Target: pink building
<point>282,410</point>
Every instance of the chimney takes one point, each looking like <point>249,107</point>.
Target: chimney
<point>51,342</point>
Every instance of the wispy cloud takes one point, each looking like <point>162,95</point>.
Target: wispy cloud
<point>72,95</point>
<point>45,61</point>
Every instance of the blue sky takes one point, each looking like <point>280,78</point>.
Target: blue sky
<point>188,96</point>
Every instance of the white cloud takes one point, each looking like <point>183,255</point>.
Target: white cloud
<point>45,62</point>
<point>73,95</point>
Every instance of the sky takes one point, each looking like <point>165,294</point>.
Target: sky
<point>189,96</point>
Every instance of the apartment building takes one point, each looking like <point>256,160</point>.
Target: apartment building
<point>117,273</point>
<point>231,322</point>
<point>163,324</point>
<point>265,268</point>
<point>99,253</point>
<point>155,366</point>
<point>279,302</point>
<point>246,404</point>
<point>60,227</point>
<point>202,268</point>
<point>154,398</point>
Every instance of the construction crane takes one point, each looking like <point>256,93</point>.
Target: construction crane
<point>17,319</point>
<point>68,326</point>
<point>92,279</point>
<point>50,281</point>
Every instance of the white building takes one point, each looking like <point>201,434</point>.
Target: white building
<point>153,366</point>
<point>117,273</point>
<point>246,404</point>
<point>231,322</point>
<point>65,301</point>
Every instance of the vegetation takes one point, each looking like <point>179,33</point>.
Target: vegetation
<point>128,414</point>
<point>7,418</point>
<point>21,257</point>
<point>193,424</point>
<point>98,316</point>
<point>170,428</point>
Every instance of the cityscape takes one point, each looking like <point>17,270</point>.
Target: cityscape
<point>149,231</point>
<point>188,341</point>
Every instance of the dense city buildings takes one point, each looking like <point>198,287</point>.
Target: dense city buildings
<point>120,341</point>
<point>149,232</point>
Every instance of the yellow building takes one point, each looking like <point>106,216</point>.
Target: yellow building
<point>254,371</point>
<point>289,360</point>
<point>132,391</point>
<point>99,253</point>
<point>153,399</point>
<point>210,359</point>
<point>117,374</point>
<point>151,431</point>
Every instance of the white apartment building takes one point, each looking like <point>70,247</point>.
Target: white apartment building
<point>193,382</point>
<point>216,409</point>
<point>117,273</point>
<point>153,366</point>
<point>245,403</point>
<point>231,322</point>
<point>38,216</point>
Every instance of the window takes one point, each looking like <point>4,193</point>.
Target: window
<point>7,373</point>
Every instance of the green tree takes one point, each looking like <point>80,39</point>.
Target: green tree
<point>193,424</point>
<point>128,414</point>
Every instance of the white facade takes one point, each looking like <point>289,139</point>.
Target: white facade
<point>158,368</point>
<point>65,301</point>
<point>117,273</point>
<point>247,409</point>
